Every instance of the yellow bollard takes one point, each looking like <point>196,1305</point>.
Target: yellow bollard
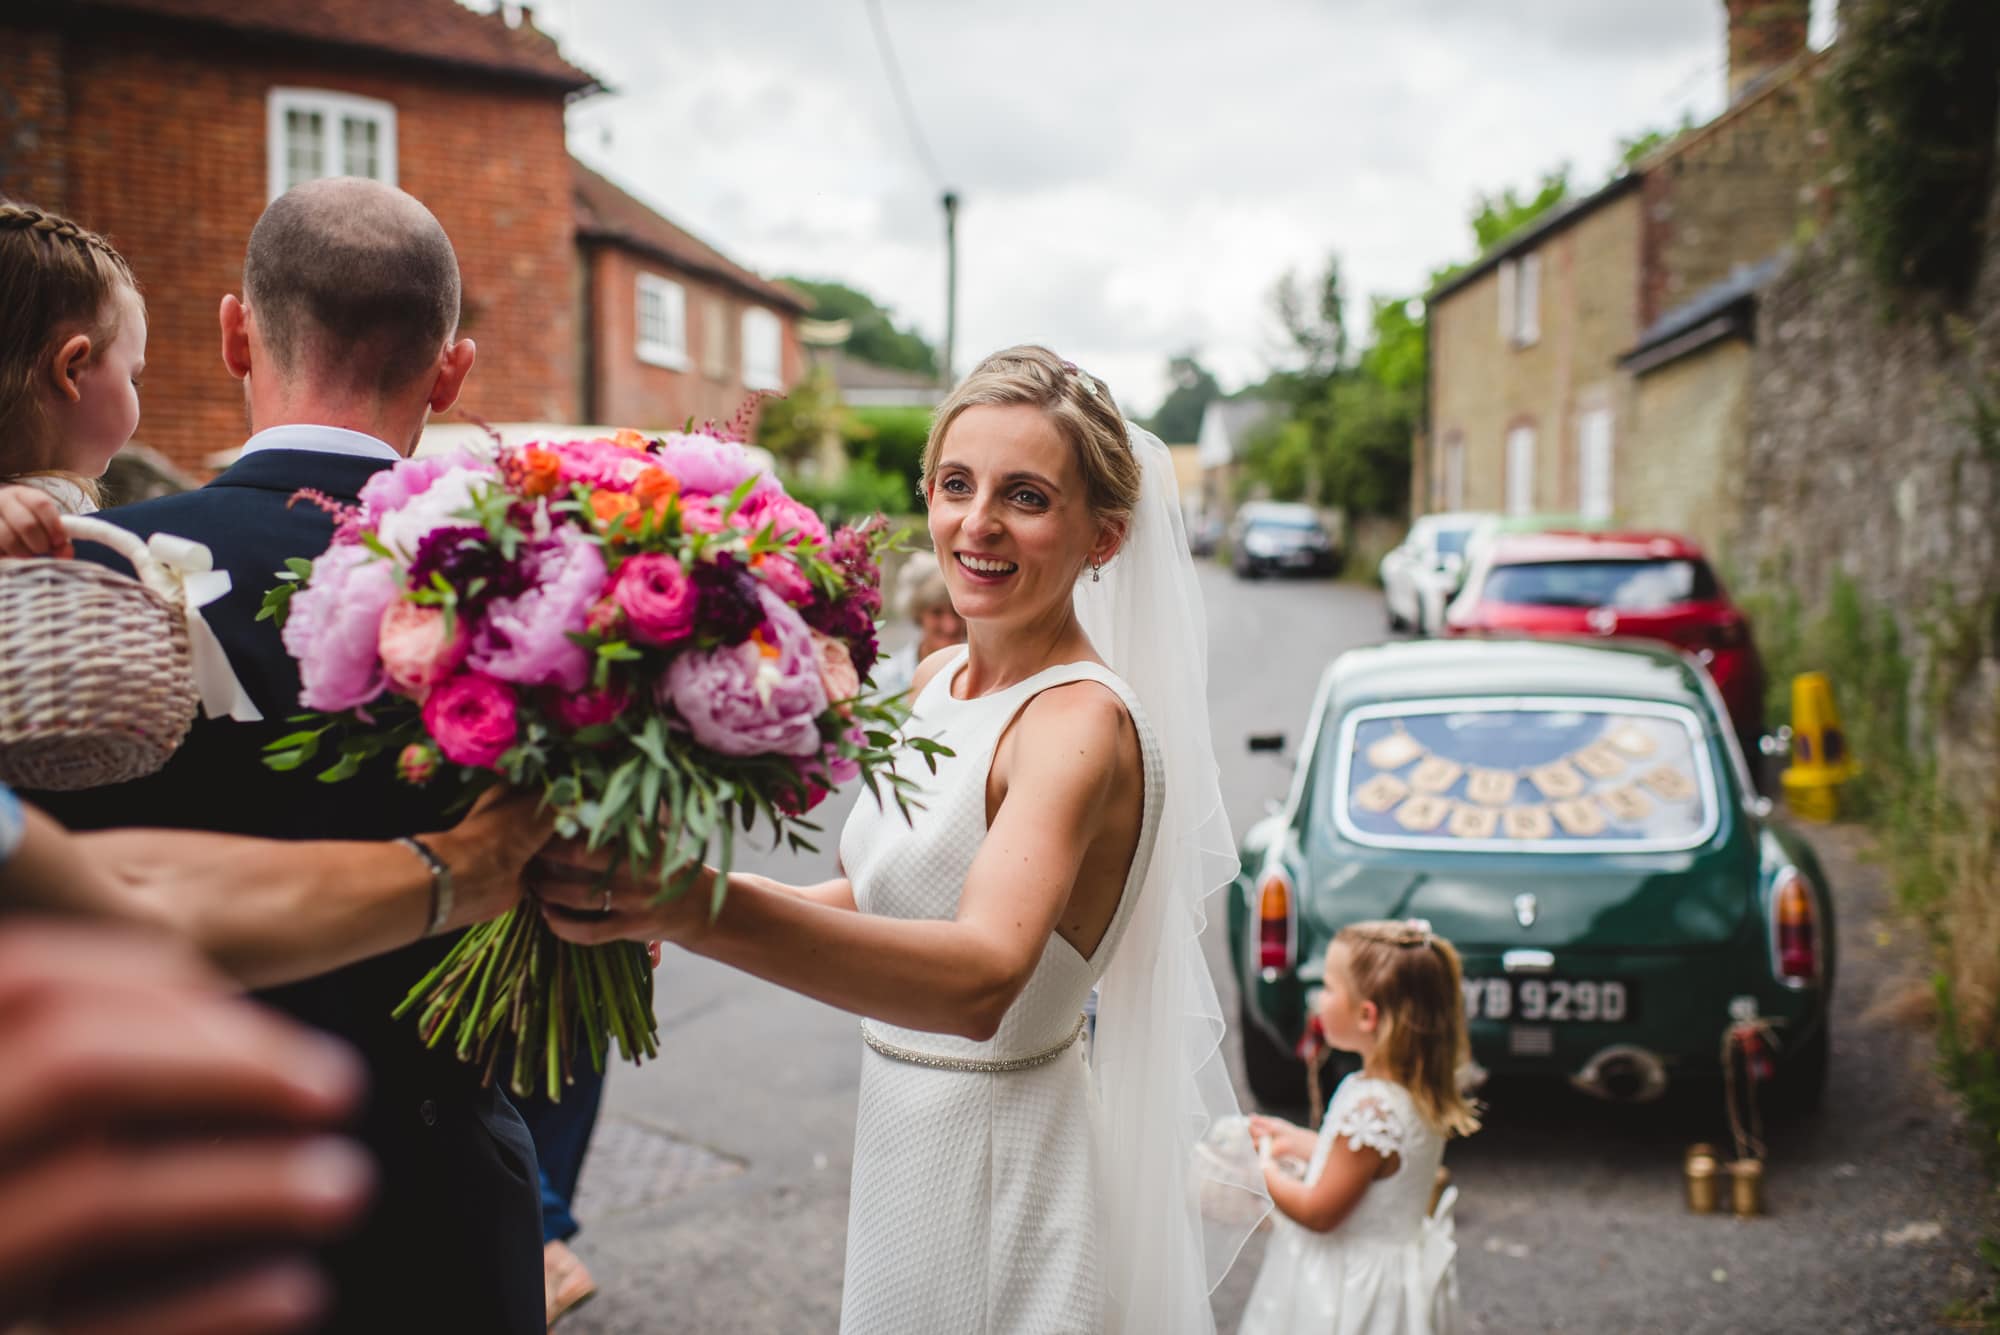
<point>1820,758</point>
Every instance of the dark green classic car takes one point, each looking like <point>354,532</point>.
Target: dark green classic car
<point>1579,819</point>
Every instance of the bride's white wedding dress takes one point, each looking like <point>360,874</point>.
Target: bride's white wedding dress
<point>974,1200</point>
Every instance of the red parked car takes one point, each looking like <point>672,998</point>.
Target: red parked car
<point>1651,586</point>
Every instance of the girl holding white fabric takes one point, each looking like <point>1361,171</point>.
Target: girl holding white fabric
<point>1359,1251</point>
<point>1000,1184</point>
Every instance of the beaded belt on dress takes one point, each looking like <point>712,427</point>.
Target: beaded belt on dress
<point>989,1065</point>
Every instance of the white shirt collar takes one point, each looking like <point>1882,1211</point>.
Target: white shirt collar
<point>320,440</point>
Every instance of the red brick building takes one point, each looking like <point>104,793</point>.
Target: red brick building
<point>169,124</point>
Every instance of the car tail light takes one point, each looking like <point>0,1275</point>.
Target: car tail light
<point>1795,929</point>
<point>1730,634</point>
<point>1277,921</point>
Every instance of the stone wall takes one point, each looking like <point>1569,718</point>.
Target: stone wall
<point>1863,459</point>
<point>1680,471</point>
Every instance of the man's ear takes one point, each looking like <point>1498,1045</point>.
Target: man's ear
<point>67,365</point>
<point>453,368</point>
<point>235,319</point>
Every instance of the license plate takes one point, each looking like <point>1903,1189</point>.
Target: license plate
<point>1548,1000</point>
<point>1298,558</point>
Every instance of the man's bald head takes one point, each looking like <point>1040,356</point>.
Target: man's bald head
<point>353,285</point>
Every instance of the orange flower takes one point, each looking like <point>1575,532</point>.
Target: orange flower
<point>764,646</point>
<point>541,471</point>
<point>654,488</point>
<point>630,439</point>
<point>616,513</point>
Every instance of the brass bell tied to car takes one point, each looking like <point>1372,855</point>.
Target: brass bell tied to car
<point>1701,1169</point>
<point>1746,1187</point>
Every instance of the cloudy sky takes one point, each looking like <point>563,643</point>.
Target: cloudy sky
<point>1135,174</point>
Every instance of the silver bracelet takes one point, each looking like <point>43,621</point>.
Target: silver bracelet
<point>441,895</point>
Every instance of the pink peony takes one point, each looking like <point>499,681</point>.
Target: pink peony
<point>577,711</point>
<point>447,502</point>
<point>599,464</point>
<point>333,625</point>
<point>471,718</point>
<point>702,515</point>
<point>526,639</point>
<point>836,669</point>
<point>399,484</point>
<point>710,467</point>
<point>792,522</point>
<point>761,697</point>
<point>782,574</point>
<point>417,652</point>
<point>657,599</point>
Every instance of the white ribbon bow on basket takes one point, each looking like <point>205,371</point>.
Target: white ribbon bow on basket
<point>183,572</point>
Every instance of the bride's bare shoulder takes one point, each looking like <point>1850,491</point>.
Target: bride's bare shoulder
<point>930,667</point>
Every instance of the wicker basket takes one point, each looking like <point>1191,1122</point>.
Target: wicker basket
<point>96,678</point>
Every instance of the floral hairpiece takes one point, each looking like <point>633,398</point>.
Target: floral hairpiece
<point>1083,378</point>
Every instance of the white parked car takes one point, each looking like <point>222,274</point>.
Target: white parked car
<point>1420,577</point>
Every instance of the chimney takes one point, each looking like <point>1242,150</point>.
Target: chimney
<point>1763,34</point>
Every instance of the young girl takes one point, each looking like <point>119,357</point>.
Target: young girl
<point>72,346</point>
<point>1357,1251</point>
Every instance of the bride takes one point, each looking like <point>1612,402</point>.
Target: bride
<point>1001,1183</point>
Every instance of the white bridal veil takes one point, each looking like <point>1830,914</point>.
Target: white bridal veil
<point>1173,1220</point>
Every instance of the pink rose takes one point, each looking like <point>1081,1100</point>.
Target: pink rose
<point>333,626</point>
<point>417,764</point>
<point>784,578</point>
<point>792,522</point>
<point>471,718</point>
<point>589,708</point>
<point>417,652</point>
<point>657,598</point>
<point>836,670</point>
<point>599,464</point>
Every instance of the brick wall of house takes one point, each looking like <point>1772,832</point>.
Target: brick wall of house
<point>1481,386</point>
<point>631,392</point>
<point>1683,471</point>
<point>34,117</point>
<point>1730,193</point>
<point>166,154</point>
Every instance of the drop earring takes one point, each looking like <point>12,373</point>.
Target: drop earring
<point>1096,572</point>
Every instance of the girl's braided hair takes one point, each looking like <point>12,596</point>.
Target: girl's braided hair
<point>57,279</point>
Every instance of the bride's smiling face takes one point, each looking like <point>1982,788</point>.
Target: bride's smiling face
<point>1010,515</point>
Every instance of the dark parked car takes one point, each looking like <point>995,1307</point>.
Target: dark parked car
<point>1579,820</point>
<point>1273,537</point>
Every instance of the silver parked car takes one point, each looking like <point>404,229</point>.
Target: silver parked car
<point>1420,577</point>
<point>1283,537</point>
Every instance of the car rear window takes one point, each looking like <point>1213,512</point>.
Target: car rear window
<point>1451,541</point>
<point>1636,586</point>
<point>1524,775</point>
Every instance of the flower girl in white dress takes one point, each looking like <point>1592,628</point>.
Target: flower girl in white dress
<point>1358,1250</point>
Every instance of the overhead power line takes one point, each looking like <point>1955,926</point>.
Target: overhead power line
<point>902,92</point>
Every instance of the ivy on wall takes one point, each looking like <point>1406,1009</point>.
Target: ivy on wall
<point>1911,106</point>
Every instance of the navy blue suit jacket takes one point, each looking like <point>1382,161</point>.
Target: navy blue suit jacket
<point>453,1242</point>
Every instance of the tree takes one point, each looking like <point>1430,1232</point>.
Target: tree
<point>1632,147</point>
<point>876,338</point>
<point>1498,216</point>
<point>1180,414</point>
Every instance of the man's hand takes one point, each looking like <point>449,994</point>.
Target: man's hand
<point>151,1121</point>
<point>31,524</point>
<point>489,850</point>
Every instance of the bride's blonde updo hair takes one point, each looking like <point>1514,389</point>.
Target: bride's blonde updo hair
<point>1077,403</point>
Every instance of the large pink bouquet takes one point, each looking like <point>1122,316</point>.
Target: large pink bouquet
<point>650,632</point>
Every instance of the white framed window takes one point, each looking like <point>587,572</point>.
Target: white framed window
<point>715,339</point>
<point>1521,301</point>
<point>763,350</point>
<point>1521,470</point>
<point>1453,473</point>
<point>310,133</point>
<point>660,315</point>
<point>1593,464</point>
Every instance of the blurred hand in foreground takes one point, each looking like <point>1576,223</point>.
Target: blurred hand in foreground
<point>163,1162</point>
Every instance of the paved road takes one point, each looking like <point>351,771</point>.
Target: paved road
<point>715,1202</point>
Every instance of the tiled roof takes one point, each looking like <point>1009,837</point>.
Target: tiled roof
<point>606,213</point>
<point>1712,313</point>
<point>439,32</point>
